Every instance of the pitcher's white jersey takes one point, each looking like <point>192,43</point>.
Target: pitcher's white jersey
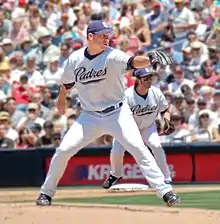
<point>99,82</point>
<point>145,111</point>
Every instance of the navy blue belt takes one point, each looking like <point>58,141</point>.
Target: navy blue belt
<point>110,109</point>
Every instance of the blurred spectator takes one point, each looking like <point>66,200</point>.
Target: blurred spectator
<point>26,139</point>
<point>5,24</point>
<point>205,131</point>
<point>46,139</point>
<point>14,114</point>
<point>4,141</point>
<point>179,80</point>
<point>9,131</point>
<point>56,139</point>
<point>37,98</point>
<point>32,116</point>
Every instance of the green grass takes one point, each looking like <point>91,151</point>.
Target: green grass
<point>202,200</point>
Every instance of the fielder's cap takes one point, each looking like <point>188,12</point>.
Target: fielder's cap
<point>99,27</point>
<point>144,72</point>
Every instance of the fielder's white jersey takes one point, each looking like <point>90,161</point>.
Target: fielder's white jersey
<point>99,82</point>
<point>145,111</point>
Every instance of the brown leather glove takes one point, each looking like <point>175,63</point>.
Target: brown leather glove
<point>168,128</point>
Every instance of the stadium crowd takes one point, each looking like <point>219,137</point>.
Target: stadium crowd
<point>37,36</point>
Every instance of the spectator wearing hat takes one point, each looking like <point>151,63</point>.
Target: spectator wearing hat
<point>200,48</point>
<point>46,139</point>
<point>205,131</point>
<point>10,132</point>
<point>201,104</point>
<point>179,80</point>
<point>177,56</point>
<point>31,117</point>
<point>46,48</point>
<point>19,31</point>
<point>7,46</point>
<point>65,50</point>
<point>37,98</point>
<point>77,44</point>
<point>183,21</point>
<point>178,105</point>
<point>53,72</point>
<point>5,24</point>
<point>5,143</point>
<point>27,49</point>
<point>14,113</point>
<point>206,92</point>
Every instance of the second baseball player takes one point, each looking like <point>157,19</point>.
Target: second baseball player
<point>146,102</point>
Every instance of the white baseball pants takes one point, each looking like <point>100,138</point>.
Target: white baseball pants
<point>152,140</point>
<point>89,126</point>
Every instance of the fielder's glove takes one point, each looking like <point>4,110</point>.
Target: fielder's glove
<point>168,128</point>
<point>158,58</point>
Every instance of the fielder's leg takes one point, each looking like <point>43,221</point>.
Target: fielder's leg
<point>152,139</point>
<point>123,127</point>
<point>83,131</point>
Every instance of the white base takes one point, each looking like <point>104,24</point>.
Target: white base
<point>128,187</point>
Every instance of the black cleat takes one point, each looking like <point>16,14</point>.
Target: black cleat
<point>171,199</point>
<point>110,181</point>
<point>43,200</point>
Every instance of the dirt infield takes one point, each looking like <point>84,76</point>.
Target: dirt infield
<point>15,213</point>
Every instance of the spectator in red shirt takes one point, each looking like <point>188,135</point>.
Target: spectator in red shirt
<point>207,77</point>
<point>23,92</point>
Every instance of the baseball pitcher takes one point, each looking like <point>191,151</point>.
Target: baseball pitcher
<point>97,72</point>
<point>145,102</point>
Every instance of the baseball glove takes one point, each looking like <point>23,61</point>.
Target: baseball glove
<point>158,58</point>
<point>168,128</point>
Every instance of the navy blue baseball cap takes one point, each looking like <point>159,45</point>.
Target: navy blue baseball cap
<point>144,72</point>
<point>99,27</point>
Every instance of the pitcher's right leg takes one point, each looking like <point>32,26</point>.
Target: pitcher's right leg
<point>84,130</point>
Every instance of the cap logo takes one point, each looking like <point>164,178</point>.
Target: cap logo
<point>105,24</point>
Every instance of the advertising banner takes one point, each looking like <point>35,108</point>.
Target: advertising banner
<point>207,172</point>
<point>94,170</point>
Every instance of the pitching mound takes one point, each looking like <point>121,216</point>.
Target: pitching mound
<point>15,213</point>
